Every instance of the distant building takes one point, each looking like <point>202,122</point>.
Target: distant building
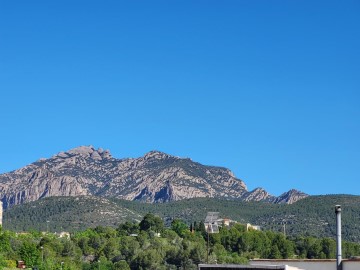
<point>226,222</point>
<point>64,235</point>
<point>252,227</point>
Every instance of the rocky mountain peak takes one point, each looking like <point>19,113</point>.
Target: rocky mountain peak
<point>155,177</point>
<point>156,155</point>
<point>291,196</point>
<point>86,152</point>
<point>82,150</point>
<point>258,194</point>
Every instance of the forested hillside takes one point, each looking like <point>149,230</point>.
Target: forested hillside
<point>312,216</point>
<point>149,244</point>
<point>67,214</point>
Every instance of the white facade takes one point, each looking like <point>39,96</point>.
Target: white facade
<point>351,265</point>
<point>252,227</point>
<point>244,267</point>
<point>347,264</point>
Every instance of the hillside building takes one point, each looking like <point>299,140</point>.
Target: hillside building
<point>228,222</point>
<point>252,227</point>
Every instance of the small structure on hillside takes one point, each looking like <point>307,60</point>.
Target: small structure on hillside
<point>211,226</point>
<point>226,222</point>
<point>64,235</point>
<point>252,227</point>
<point>211,222</point>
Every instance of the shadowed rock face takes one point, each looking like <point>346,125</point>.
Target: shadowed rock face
<point>155,177</point>
<point>290,197</point>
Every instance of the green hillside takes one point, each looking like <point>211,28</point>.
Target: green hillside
<point>66,214</point>
<point>313,216</point>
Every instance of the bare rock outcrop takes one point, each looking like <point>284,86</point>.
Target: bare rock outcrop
<point>291,196</point>
<point>258,194</point>
<point>155,177</point>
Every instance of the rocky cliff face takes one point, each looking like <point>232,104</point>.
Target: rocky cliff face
<point>155,177</point>
<point>258,194</point>
<point>290,197</point>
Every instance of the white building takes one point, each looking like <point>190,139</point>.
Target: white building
<point>309,264</point>
<point>243,267</point>
<point>252,227</point>
<point>305,264</point>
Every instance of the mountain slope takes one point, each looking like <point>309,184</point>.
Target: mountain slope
<point>312,216</point>
<point>155,177</point>
<point>67,214</point>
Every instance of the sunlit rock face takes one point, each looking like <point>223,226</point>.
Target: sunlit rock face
<point>155,177</point>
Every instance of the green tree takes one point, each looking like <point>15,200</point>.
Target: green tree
<point>127,228</point>
<point>111,248</point>
<point>315,249</point>
<point>121,265</point>
<point>274,252</point>
<point>179,227</point>
<point>29,253</point>
<point>129,247</point>
<point>3,262</point>
<point>148,259</point>
<point>151,222</point>
<point>328,247</point>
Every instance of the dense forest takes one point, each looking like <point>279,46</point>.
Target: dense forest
<point>312,216</point>
<point>150,244</point>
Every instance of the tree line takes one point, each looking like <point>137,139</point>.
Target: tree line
<point>312,216</point>
<point>149,244</point>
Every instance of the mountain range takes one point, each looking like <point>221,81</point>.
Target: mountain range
<point>155,177</point>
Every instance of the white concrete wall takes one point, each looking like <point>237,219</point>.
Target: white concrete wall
<point>292,268</point>
<point>300,264</point>
<point>351,265</point>
<point>311,264</point>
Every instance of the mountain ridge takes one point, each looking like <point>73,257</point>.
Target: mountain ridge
<point>154,177</point>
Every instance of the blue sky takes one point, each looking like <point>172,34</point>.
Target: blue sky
<point>268,89</point>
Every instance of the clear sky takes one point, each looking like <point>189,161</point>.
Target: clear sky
<point>268,89</point>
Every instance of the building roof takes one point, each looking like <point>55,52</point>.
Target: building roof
<point>239,267</point>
